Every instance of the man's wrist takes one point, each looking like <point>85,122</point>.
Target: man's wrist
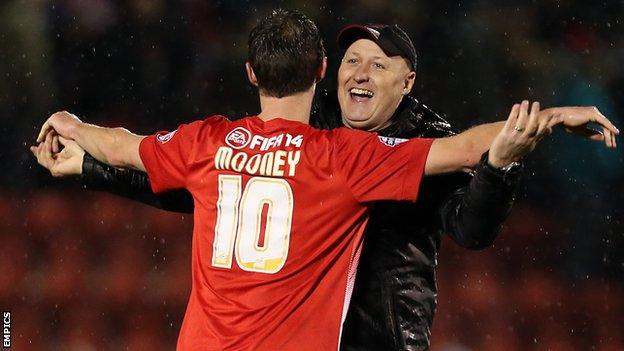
<point>499,163</point>
<point>509,168</point>
<point>73,130</point>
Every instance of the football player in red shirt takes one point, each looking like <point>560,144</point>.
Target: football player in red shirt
<point>280,207</point>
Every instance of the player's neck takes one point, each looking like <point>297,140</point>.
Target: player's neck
<point>295,107</point>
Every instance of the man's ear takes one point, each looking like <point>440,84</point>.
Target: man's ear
<point>408,84</point>
<point>251,76</point>
<point>322,70</point>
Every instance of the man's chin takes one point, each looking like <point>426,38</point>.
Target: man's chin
<point>356,123</point>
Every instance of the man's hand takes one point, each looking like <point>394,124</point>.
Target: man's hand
<point>520,135</point>
<point>576,120</point>
<point>62,122</point>
<point>60,164</point>
<point>523,131</point>
<point>114,146</point>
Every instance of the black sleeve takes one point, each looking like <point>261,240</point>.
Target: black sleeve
<point>473,215</point>
<point>133,185</point>
<point>471,209</point>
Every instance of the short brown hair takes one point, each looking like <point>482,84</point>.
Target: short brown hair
<point>285,52</point>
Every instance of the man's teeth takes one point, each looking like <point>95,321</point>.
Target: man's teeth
<point>358,91</point>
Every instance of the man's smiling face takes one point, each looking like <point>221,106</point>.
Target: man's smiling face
<point>371,85</point>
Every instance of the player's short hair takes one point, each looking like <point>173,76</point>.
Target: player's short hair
<point>285,52</point>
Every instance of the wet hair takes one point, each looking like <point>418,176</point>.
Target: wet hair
<point>285,52</point>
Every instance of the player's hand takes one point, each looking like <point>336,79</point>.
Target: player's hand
<point>60,164</point>
<point>576,120</point>
<point>519,136</point>
<point>62,122</point>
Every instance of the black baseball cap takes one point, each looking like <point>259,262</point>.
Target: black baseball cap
<point>391,39</point>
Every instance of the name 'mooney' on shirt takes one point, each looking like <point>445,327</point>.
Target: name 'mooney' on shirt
<point>269,163</point>
<point>272,163</point>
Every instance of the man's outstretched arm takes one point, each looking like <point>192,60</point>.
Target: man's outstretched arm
<point>472,215</point>
<point>95,175</point>
<point>117,147</point>
<point>134,185</point>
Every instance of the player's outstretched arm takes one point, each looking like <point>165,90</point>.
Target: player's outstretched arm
<point>451,154</point>
<point>461,152</point>
<point>519,136</point>
<point>114,146</point>
<point>95,175</point>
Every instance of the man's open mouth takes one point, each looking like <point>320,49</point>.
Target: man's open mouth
<point>360,94</point>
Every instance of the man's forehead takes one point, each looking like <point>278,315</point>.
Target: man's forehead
<point>369,49</point>
<point>366,47</point>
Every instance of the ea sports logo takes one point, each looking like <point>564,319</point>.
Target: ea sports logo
<point>163,138</point>
<point>238,138</point>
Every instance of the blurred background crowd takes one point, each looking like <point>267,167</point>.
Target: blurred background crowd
<point>84,271</point>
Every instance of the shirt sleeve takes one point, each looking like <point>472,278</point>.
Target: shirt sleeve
<point>166,156</point>
<point>380,168</point>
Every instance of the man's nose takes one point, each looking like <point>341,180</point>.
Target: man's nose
<point>361,74</point>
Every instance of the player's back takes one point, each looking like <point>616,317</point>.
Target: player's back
<point>279,214</point>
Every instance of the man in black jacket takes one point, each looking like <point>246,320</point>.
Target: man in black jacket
<point>394,298</point>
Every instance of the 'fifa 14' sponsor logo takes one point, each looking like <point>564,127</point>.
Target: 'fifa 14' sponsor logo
<point>240,137</point>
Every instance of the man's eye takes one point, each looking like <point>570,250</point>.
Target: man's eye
<point>378,65</point>
<point>352,60</point>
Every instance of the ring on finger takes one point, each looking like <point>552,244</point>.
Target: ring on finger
<point>518,129</point>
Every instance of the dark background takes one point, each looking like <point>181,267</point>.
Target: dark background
<point>84,271</point>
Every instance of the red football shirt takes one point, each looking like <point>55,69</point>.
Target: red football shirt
<point>280,208</point>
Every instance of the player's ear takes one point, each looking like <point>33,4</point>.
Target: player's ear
<point>251,76</point>
<point>320,74</point>
<point>408,83</point>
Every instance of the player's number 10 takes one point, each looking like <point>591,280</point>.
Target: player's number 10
<point>239,218</point>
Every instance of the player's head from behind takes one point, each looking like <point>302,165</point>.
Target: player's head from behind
<point>286,54</point>
<point>378,68</point>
